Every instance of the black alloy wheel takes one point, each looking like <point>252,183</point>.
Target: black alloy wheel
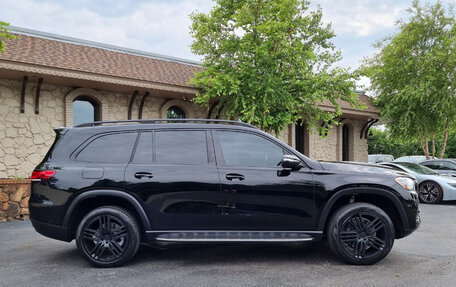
<point>430,192</point>
<point>108,237</point>
<point>361,233</point>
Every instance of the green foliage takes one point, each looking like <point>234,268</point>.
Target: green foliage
<point>4,35</point>
<point>414,76</point>
<point>383,143</point>
<point>269,63</point>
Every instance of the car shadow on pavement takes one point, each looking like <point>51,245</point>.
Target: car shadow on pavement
<point>202,254</point>
<point>449,203</point>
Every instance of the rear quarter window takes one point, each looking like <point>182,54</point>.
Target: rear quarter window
<point>109,148</point>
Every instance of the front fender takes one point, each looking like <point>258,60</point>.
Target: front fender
<point>363,190</point>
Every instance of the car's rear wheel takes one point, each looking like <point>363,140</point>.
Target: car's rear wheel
<point>430,192</point>
<point>361,233</point>
<point>108,236</point>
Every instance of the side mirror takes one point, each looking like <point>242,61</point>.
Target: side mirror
<point>291,162</point>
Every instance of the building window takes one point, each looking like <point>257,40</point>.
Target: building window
<point>175,113</point>
<point>85,110</point>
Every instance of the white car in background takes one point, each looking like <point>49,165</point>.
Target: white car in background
<point>378,158</point>
<point>432,187</point>
<point>411,158</point>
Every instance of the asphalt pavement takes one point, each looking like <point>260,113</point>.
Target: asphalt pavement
<point>425,258</point>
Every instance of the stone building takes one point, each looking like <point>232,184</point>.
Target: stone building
<point>48,81</point>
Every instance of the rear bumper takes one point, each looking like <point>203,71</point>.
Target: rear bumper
<point>50,230</point>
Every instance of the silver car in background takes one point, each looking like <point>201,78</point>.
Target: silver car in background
<point>432,187</point>
<point>442,166</point>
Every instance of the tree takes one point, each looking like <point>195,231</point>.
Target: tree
<point>414,77</point>
<point>4,35</point>
<point>383,143</point>
<point>269,63</point>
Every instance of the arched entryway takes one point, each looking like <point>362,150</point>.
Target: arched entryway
<point>347,143</point>
<point>175,112</point>
<point>85,110</point>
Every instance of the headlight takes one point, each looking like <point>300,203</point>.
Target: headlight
<point>406,183</point>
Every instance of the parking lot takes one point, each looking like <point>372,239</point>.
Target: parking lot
<point>427,257</point>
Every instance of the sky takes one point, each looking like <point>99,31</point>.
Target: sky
<point>162,26</point>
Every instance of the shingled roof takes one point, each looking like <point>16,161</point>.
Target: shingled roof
<point>44,50</point>
<point>366,100</point>
<point>55,51</point>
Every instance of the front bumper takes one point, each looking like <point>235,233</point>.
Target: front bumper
<point>408,231</point>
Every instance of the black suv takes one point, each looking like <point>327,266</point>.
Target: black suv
<point>113,185</point>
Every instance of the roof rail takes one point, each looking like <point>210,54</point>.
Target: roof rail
<point>156,121</point>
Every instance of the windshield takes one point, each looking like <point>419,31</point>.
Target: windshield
<point>417,168</point>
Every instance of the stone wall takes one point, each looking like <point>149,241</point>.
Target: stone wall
<point>25,138</point>
<point>329,148</point>
<point>14,197</point>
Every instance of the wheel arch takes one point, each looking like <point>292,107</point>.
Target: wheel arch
<point>96,198</point>
<point>380,197</point>
<point>430,180</point>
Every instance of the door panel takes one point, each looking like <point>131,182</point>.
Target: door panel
<point>180,185</point>
<point>259,194</point>
<point>267,199</point>
<point>177,197</point>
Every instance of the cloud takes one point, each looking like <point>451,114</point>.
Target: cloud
<point>362,17</point>
<point>160,27</point>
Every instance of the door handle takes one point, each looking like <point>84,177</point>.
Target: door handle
<point>232,176</point>
<point>142,174</point>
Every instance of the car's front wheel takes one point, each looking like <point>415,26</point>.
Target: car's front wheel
<point>360,233</point>
<point>430,192</point>
<point>108,236</point>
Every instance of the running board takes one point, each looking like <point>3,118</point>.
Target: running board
<point>234,236</point>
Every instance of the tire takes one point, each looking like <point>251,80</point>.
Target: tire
<point>430,192</point>
<point>108,236</point>
<point>360,233</point>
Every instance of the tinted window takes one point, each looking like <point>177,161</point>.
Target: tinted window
<point>245,149</point>
<point>111,148</point>
<point>181,147</point>
<point>433,165</point>
<point>448,165</point>
<point>143,153</point>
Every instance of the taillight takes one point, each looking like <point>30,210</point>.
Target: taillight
<point>42,174</point>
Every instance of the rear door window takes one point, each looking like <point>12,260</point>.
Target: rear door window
<point>109,148</point>
<point>144,149</point>
<point>181,147</point>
